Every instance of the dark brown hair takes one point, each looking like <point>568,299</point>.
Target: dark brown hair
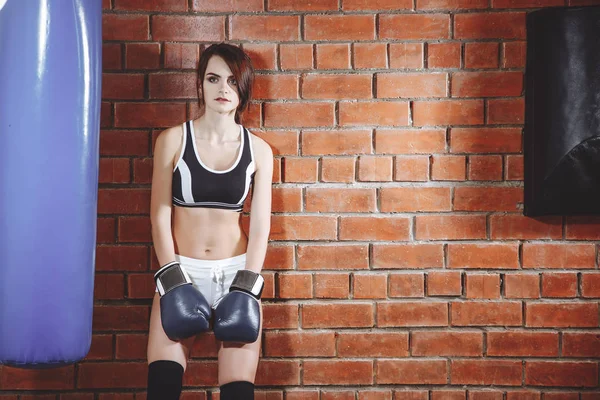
<point>241,67</point>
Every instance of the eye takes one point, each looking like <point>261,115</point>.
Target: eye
<point>233,82</point>
<point>212,79</point>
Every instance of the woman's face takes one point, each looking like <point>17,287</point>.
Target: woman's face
<point>220,87</point>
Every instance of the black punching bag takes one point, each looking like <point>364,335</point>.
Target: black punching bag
<point>562,112</point>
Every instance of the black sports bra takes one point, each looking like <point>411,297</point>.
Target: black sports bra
<point>196,185</point>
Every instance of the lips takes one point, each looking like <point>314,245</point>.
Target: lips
<point>221,99</point>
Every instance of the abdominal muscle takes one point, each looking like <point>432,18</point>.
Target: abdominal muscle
<point>208,233</point>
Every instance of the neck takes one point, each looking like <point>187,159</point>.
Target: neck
<point>215,125</point>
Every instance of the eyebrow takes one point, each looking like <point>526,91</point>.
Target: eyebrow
<point>217,75</point>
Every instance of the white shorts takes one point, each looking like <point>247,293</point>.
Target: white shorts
<point>212,277</point>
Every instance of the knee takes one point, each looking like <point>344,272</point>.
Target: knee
<point>237,390</point>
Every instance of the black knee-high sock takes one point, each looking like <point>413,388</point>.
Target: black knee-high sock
<point>238,390</point>
<point>165,379</point>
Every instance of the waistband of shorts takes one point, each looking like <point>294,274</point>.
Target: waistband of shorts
<point>210,263</point>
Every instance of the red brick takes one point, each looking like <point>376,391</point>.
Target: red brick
<point>556,284</point>
<point>406,85</point>
<point>122,86</point>
<point>286,199</point>
<point>486,372</point>
<point>325,200</point>
<point>557,373</point>
<point>332,286</point>
<point>280,316</point>
<point>172,86</point>
<point>112,375</point>
<point>337,142</point>
<point>522,344</point>
<point>446,344</point>
<point>413,199</point>
<point>448,168</point>
<point>582,228</point>
<point>416,372</point>
<point>142,55</point>
<point>483,286</point>
<point>487,84</point>
<point>337,169</point>
<point>481,313</point>
<point>485,140</point>
<point>187,28</point>
<point>263,56</point>
<point>590,285</point>
<point>496,256</point>
<point>374,168</point>
<point>337,315</point>
<point>335,56</point>
<point>371,344</point>
<point>201,373</point>
<point>370,286</point>
<point>364,5</point>
<point>299,114</point>
<point>299,169</point>
<point>513,226</point>
<point>484,168</point>
<point>131,346</point>
<point>444,283</point>
<point>410,141</point>
<point>414,27</point>
<point>303,227</point>
<point>522,286</point>
<point>302,5</point>
<point>563,315</point>
<point>487,198</point>
<point>337,372</point>
<point>296,56</point>
<point>559,255</point>
<point>227,6</point>
<point>584,344</point>
<point>369,55</point>
<point>407,285</point>
<point>109,286</point>
<point>62,378</point>
<point>498,25</point>
<point>125,27</point>
<point>295,286</point>
<point>274,28</point>
<point>481,55</point>
<point>373,113</point>
<point>412,313</point>
<point>450,227</point>
<point>337,257</point>
<point>151,5</point>
<point>411,168</point>
<point>111,56</point>
<point>101,348</point>
<point>406,56</point>
<point>181,55</point>
<point>114,170</point>
<point>447,112</point>
<point>443,55</point>
<point>336,86</point>
<point>154,115</point>
<point>515,54</point>
<point>339,27</point>
<point>121,258</point>
<point>407,256</point>
<point>505,111</point>
<point>123,201</point>
<point>124,143</point>
<point>374,228</point>
<point>299,344</point>
<point>448,395</point>
<point>514,167</point>
<point>450,4</point>
<point>120,317</point>
<point>526,3</point>
<point>283,86</point>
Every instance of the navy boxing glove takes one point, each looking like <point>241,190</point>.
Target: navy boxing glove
<point>184,311</point>
<point>237,316</point>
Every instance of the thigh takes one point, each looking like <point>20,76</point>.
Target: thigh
<point>237,361</point>
<point>160,347</point>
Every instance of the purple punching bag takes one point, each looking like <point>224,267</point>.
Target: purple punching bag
<point>50,77</point>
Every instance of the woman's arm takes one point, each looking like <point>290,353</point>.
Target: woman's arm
<point>165,149</point>
<point>260,209</point>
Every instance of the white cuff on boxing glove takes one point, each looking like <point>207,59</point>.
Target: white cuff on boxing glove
<point>249,282</point>
<point>170,276</point>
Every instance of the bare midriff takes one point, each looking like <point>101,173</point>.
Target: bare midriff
<point>208,233</point>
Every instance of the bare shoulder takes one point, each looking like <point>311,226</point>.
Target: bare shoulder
<point>169,140</point>
<point>262,150</point>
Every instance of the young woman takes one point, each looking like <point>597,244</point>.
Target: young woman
<point>203,172</point>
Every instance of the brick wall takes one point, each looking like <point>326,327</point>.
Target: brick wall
<point>400,265</point>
